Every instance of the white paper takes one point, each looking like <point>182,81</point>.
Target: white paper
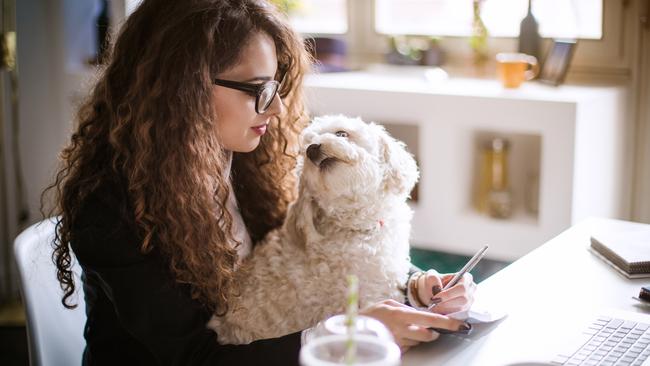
<point>477,315</point>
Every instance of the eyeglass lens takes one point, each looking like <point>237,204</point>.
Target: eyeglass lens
<point>266,96</point>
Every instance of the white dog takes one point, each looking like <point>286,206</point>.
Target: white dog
<point>350,217</point>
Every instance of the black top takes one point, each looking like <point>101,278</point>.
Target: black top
<point>136,313</point>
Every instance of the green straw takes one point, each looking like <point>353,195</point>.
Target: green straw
<point>351,319</point>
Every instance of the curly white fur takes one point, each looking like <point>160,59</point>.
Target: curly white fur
<point>351,217</point>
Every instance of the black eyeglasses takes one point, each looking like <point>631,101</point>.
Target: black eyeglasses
<point>264,93</point>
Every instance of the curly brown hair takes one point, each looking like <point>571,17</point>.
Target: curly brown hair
<point>149,121</point>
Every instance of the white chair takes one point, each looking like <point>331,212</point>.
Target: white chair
<point>55,334</point>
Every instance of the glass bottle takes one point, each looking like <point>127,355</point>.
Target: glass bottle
<point>494,197</point>
<point>479,37</point>
<point>529,37</point>
<point>499,198</point>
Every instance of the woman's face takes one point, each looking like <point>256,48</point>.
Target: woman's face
<point>239,127</point>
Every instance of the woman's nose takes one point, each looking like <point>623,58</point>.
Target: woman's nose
<point>276,107</point>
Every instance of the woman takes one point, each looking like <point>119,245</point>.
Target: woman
<point>182,159</point>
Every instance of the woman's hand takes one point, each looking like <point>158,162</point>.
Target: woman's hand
<point>408,325</point>
<point>457,298</point>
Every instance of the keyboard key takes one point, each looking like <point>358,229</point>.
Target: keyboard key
<point>614,323</point>
<point>642,326</point>
<point>628,324</point>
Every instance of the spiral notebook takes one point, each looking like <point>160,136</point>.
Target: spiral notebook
<point>627,249</point>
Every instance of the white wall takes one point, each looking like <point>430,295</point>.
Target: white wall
<point>43,106</point>
<point>641,203</point>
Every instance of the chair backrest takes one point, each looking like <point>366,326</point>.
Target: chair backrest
<point>55,334</point>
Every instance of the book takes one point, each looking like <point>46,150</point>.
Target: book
<point>627,249</point>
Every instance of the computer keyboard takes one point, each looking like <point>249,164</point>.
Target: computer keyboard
<point>609,342</point>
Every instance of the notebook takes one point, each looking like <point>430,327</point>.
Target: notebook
<point>627,249</point>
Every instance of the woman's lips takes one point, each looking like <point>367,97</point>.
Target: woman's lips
<point>260,130</point>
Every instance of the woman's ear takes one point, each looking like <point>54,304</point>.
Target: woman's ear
<point>401,172</point>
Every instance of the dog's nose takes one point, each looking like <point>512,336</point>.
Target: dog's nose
<point>313,152</point>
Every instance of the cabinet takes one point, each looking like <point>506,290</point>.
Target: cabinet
<point>567,157</point>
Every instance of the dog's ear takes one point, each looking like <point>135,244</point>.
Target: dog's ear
<point>299,224</point>
<point>401,172</point>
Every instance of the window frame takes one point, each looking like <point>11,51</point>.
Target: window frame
<point>593,57</point>
<point>494,36</point>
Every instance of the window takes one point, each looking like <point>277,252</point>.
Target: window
<point>557,18</point>
<point>307,16</point>
<point>320,16</point>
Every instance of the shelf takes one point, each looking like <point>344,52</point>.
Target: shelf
<point>523,169</point>
<point>568,141</point>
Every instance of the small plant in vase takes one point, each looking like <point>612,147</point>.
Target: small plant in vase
<point>478,40</point>
<point>287,6</point>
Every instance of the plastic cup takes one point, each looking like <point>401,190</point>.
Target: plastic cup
<point>330,350</point>
<point>364,325</point>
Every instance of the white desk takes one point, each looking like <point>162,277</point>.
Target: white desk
<point>558,282</point>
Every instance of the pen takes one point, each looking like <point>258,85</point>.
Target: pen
<point>466,268</point>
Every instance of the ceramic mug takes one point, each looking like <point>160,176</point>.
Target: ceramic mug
<point>515,68</point>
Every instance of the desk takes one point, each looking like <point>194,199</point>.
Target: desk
<point>559,282</point>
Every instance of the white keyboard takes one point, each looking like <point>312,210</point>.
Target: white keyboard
<point>609,341</point>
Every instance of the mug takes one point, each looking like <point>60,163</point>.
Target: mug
<point>514,68</point>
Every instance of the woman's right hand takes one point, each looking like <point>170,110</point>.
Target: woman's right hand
<point>409,326</point>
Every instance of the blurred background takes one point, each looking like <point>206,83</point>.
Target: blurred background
<point>504,160</point>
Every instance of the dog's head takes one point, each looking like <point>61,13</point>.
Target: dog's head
<point>346,162</point>
<point>346,157</point>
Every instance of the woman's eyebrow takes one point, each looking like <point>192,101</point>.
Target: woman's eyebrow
<point>258,78</point>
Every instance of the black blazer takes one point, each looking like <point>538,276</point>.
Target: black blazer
<point>136,313</point>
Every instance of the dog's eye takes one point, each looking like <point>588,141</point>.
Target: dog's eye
<point>341,134</point>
